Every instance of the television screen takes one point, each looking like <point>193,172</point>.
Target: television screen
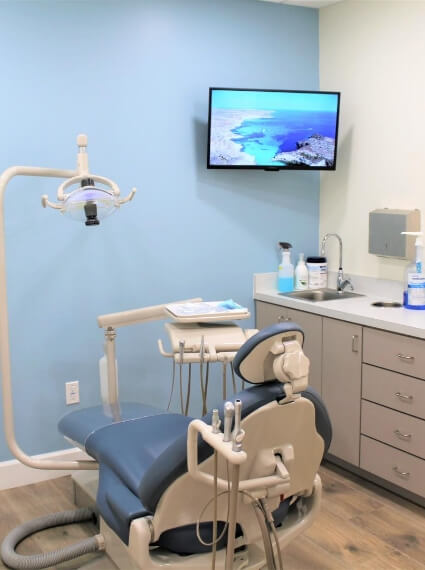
<point>272,130</point>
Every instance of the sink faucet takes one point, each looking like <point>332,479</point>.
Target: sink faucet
<point>341,282</point>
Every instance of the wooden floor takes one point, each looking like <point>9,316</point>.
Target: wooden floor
<point>360,526</point>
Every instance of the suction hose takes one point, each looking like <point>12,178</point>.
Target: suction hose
<point>36,561</point>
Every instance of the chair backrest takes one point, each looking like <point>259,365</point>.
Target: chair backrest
<point>254,360</point>
<point>259,400</point>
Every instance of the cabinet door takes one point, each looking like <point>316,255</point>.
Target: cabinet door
<point>268,314</point>
<point>341,386</point>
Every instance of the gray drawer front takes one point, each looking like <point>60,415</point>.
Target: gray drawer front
<point>396,466</point>
<point>394,390</point>
<point>396,429</point>
<point>394,351</point>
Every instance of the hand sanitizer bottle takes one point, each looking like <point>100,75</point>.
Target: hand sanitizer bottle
<point>285,281</point>
<point>414,294</point>
<point>301,274</point>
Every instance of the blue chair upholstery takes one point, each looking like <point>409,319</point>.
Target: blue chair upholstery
<point>79,425</point>
<point>139,458</point>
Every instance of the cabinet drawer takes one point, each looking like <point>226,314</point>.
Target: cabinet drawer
<point>396,429</point>
<point>268,314</point>
<point>395,352</point>
<point>396,466</point>
<point>394,390</point>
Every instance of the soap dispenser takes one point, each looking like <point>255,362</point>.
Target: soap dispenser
<point>285,281</point>
<point>414,293</point>
<point>301,274</point>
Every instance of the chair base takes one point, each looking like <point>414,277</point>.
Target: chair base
<point>138,555</point>
<point>85,485</point>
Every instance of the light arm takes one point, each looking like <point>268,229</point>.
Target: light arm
<point>8,417</point>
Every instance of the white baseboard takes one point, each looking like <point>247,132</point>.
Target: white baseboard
<point>15,474</point>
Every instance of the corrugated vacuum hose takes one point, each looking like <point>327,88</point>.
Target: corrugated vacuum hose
<point>36,561</point>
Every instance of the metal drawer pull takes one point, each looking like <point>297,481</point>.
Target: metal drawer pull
<point>406,357</point>
<point>402,435</point>
<point>283,319</point>
<point>355,343</point>
<point>403,397</point>
<point>403,474</point>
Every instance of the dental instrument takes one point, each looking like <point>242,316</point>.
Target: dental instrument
<point>181,353</point>
<point>215,422</point>
<point>233,377</point>
<point>201,375</point>
<point>238,432</point>
<point>229,410</point>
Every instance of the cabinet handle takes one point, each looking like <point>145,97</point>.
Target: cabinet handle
<point>283,319</point>
<point>403,474</point>
<point>406,357</point>
<point>403,397</point>
<point>355,343</point>
<point>402,435</point>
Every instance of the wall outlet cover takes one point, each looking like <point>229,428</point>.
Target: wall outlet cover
<point>72,392</point>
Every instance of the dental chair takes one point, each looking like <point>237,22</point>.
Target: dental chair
<point>156,475</point>
<point>150,505</point>
<point>148,502</point>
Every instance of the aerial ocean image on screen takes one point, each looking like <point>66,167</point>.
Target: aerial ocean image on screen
<point>268,128</point>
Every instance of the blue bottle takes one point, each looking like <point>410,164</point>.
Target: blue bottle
<point>285,280</point>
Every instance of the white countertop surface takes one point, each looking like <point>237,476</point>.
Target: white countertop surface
<point>355,310</point>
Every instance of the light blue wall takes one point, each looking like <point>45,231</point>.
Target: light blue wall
<point>134,75</point>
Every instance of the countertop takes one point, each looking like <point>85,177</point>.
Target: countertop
<point>355,310</point>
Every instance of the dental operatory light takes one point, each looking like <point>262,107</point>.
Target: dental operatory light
<point>91,197</point>
<point>82,196</point>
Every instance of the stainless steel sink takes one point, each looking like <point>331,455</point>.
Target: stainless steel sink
<point>316,295</point>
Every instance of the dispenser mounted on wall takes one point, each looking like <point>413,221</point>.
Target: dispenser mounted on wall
<point>385,232</point>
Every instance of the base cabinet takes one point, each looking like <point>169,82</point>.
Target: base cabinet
<point>373,384</point>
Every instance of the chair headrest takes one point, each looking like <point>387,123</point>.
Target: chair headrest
<point>254,360</point>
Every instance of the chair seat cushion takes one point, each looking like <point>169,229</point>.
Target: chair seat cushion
<point>79,425</point>
<point>130,448</point>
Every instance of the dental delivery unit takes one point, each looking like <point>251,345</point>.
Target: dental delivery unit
<point>229,490</point>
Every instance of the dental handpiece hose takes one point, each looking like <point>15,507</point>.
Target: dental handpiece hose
<point>215,424</point>
<point>238,435</point>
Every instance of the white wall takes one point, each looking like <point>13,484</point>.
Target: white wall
<point>374,53</point>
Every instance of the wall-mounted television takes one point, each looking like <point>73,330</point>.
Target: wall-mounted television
<point>272,129</point>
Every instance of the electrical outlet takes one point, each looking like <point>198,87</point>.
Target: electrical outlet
<point>72,392</point>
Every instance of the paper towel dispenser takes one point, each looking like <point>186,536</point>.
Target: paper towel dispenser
<point>385,227</point>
